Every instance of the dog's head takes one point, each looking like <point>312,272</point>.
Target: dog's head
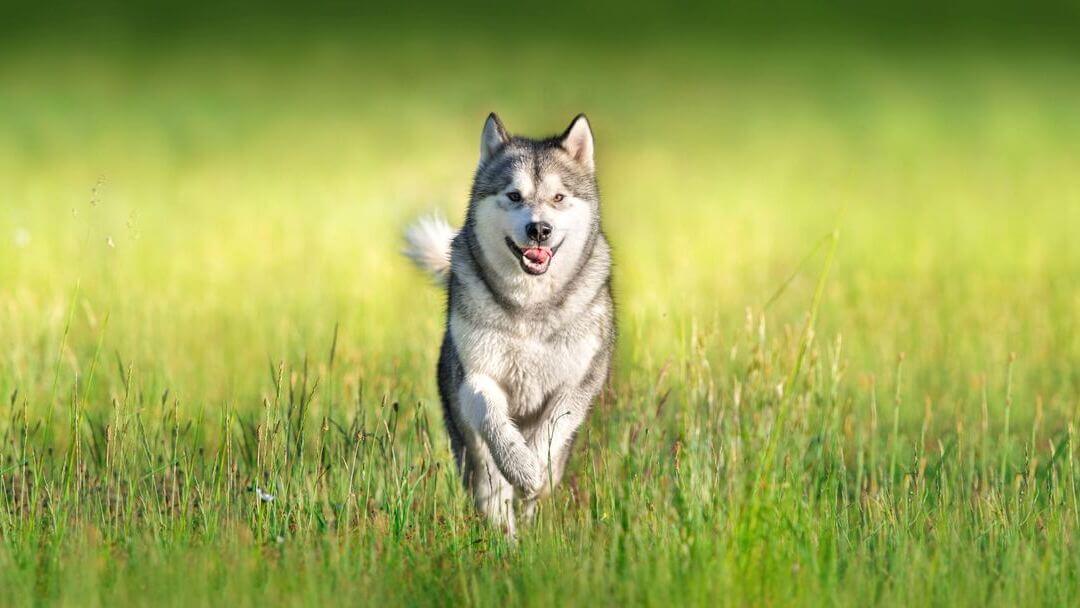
<point>534,203</point>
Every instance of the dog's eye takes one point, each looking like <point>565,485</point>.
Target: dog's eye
<point>514,196</point>
<point>559,198</point>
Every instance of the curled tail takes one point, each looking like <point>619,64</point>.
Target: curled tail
<point>427,244</point>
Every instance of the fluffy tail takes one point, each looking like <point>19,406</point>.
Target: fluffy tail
<point>427,244</point>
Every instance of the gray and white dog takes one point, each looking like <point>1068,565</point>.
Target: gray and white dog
<point>530,320</point>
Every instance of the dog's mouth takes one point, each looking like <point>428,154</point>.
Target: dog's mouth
<point>534,259</point>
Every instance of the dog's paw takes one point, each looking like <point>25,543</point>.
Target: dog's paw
<point>534,488</point>
<point>524,472</point>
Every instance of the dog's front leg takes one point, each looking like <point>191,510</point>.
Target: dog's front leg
<point>486,410</point>
<point>552,440</point>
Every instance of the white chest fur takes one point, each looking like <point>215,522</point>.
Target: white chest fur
<point>528,364</point>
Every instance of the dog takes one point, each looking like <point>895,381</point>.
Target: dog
<point>530,327</point>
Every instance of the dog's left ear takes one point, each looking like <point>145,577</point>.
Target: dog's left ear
<point>578,141</point>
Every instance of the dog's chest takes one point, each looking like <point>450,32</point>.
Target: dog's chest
<point>529,365</point>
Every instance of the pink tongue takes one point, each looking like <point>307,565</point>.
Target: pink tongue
<point>537,255</point>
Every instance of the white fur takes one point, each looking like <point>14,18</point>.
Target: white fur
<point>529,376</point>
<point>427,244</point>
<point>497,218</point>
<point>514,357</point>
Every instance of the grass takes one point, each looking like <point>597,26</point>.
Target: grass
<point>202,307</point>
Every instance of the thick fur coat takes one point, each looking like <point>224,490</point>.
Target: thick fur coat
<point>530,319</point>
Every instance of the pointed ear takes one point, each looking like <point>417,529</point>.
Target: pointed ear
<point>578,141</point>
<point>493,138</point>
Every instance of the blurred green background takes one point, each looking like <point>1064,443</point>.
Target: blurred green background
<point>228,182</point>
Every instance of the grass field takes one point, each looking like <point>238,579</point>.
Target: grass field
<point>201,295</point>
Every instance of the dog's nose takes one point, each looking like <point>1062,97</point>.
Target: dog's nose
<point>538,231</point>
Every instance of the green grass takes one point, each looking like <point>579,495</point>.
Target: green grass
<point>200,294</point>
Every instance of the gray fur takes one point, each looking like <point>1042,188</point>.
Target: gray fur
<point>532,365</point>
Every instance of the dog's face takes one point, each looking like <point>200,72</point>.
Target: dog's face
<point>534,202</point>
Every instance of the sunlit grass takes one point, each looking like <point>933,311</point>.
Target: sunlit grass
<point>202,306</point>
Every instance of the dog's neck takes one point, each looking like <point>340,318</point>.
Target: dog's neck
<point>520,294</point>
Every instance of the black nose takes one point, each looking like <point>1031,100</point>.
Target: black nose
<point>538,231</point>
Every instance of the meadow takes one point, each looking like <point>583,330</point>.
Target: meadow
<point>848,282</point>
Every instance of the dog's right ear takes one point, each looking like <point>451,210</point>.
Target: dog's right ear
<point>493,138</point>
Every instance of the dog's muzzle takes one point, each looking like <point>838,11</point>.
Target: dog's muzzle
<point>534,259</point>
